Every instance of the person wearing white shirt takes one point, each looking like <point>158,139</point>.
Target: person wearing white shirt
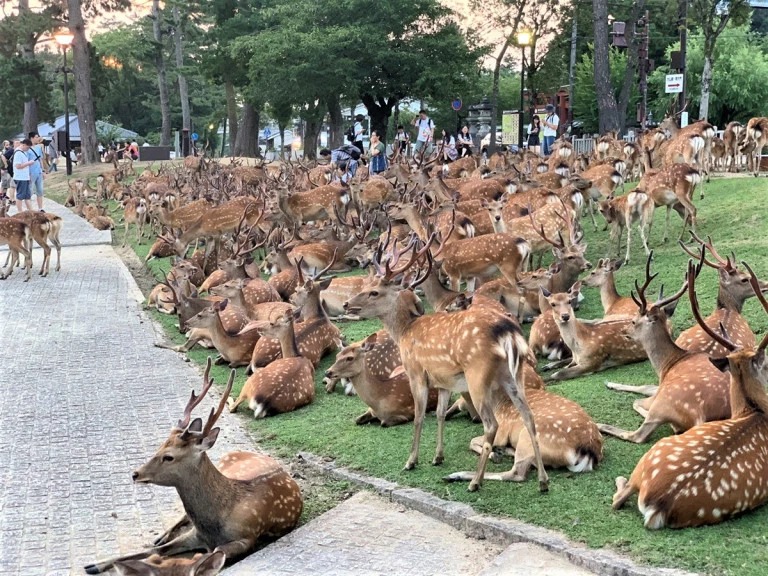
<point>549,129</point>
<point>426,129</point>
<point>359,130</point>
<point>21,176</point>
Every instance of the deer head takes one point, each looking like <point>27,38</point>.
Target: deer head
<point>179,456</point>
<point>200,565</point>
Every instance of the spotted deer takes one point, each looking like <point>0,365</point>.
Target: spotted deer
<point>199,565</point>
<point>622,212</point>
<point>476,351</point>
<point>594,346</point>
<point>757,136</point>
<point>545,339</point>
<point>230,507</point>
<point>382,359</point>
<point>691,389</point>
<point>605,180</point>
<point>568,437</point>
<point>285,384</point>
<point>733,290</point>
<point>602,277</point>
<point>672,187</point>
<point>44,227</point>
<point>715,470</point>
<point>135,212</point>
<point>322,203</point>
<point>731,137</point>
<point>388,397</point>
<point>18,236</point>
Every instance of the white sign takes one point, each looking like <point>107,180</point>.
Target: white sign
<point>673,84</point>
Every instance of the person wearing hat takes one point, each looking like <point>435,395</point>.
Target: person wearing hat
<point>549,128</point>
<point>359,131</point>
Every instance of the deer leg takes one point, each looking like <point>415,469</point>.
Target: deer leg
<point>643,406</point>
<point>649,390</point>
<point>443,398</point>
<point>638,436</point>
<point>169,534</point>
<point>187,542</point>
<point>666,224</point>
<point>46,259</point>
<point>572,371</point>
<point>644,238</point>
<point>592,214</point>
<point>395,420</point>
<point>366,418</point>
<point>557,364</point>
<point>420,398</point>
<point>623,491</point>
<point>629,242</point>
<point>236,548</point>
<point>524,459</point>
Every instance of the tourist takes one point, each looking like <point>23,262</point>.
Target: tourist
<point>377,154</point>
<point>36,154</point>
<point>534,134</point>
<point>551,122</point>
<point>449,147</point>
<point>464,142</point>
<point>402,139</point>
<point>21,175</point>
<point>426,129</point>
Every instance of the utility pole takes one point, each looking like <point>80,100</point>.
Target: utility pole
<point>683,23</point>
<point>572,70</point>
<point>644,65</point>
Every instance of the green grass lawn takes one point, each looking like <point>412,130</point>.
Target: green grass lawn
<point>577,505</point>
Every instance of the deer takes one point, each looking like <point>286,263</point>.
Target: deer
<point>733,290</point>
<point>594,346</point>
<point>691,389</point>
<point>388,397</point>
<point>605,179</point>
<point>757,135</point>
<point>285,384</point>
<point>477,351</point>
<point>43,227</point>
<point>731,137</point>
<point>235,290</point>
<point>18,236</point>
<point>569,438</point>
<point>613,304</point>
<point>319,203</point>
<point>135,213</point>
<point>715,470</point>
<point>381,360</point>
<point>634,208</point>
<point>230,507</point>
<point>199,565</point>
<point>545,339</point>
<point>672,187</point>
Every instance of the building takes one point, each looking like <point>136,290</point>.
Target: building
<point>110,131</point>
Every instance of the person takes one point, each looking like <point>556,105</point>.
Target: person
<point>465,142</point>
<point>551,122</point>
<point>343,159</point>
<point>534,133</point>
<point>449,147</point>
<point>359,131</point>
<point>426,129</point>
<point>5,175</point>
<point>133,150</point>
<point>36,154</point>
<point>402,138</point>
<point>378,154</point>
<point>21,175</point>
<point>53,157</point>
<point>101,150</point>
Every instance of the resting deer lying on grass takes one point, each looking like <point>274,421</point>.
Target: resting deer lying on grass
<point>545,339</point>
<point>602,277</point>
<point>691,389</point>
<point>715,470</point>
<point>229,507</point>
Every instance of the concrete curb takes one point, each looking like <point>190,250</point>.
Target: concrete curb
<point>499,530</point>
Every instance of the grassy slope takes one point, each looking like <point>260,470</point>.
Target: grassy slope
<point>577,505</point>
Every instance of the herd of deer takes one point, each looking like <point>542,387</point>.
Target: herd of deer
<point>423,231</point>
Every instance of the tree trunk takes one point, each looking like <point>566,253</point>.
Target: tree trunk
<point>178,41</point>
<point>379,110</point>
<point>336,123</point>
<point>231,115</point>
<point>28,53</point>
<point>281,129</point>
<point>247,143</point>
<point>706,87</point>
<point>81,67</point>
<point>606,102</point>
<point>313,118</point>
<point>165,106</point>
<point>495,92</point>
<point>572,69</point>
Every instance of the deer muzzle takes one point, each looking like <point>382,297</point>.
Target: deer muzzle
<point>565,317</point>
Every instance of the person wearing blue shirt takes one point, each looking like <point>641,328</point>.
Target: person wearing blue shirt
<point>35,155</point>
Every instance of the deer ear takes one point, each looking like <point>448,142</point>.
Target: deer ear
<point>397,372</point>
<point>417,308</point>
<point>720,363</point>
<point>670,308</point>
<point>545,292</point>
<point>135,568</point>
<point>325,283</point>
<point>576,288</point>
<point>208,442</point>
<point>209,564</point>
<point>616,264</point>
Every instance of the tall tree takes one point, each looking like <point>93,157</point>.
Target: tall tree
<point>606,101</point>
<point>178,44</point>
<point>712,16</point>
<point>162,84</point>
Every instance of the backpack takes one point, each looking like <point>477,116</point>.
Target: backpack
<point>350,133</point>
<point>353,151</point>
<point>9,157</point>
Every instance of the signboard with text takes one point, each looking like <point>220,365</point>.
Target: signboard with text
<point>673,84</point>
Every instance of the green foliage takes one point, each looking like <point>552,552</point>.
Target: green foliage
<point>739,80</point>
<point>585,107</point>
<point>577,505</point>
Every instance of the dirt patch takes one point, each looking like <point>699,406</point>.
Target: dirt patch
<point>141,273</point>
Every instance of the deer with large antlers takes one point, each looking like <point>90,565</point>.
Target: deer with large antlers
<point>229,507</point>
<point>733,290</point>
<point>478,351</point>
<point>715,470</point>
<point>691,389</point>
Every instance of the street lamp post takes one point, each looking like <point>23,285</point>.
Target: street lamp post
<point>64,39</point>
<point>523,40</point>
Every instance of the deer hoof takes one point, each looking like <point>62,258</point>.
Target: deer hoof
<point>438,460</point>
<point>473,486</point>
<point>543,486</point>
<point>410,465</point>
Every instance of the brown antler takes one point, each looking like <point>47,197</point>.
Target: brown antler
<point>641,300</point>
<point>760,296</point>
<point>540,231</point>
<point>195,399</point>
<point>725,263</point>
<point>719,338</point>
<point>214,416</point>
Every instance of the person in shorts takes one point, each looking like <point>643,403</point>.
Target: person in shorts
<point>21,166</point>
<point>35,154</point>
<point>7,185</point>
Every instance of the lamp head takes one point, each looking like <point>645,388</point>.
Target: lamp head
<point>64,37</point>
<point>524,38</point>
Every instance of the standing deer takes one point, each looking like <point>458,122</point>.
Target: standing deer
<point>624,211</point>
<point>672,188</point>
<point>691,389</point>
<point>477,351</point>
<point>757,136</point>
<point>229,507</point>
<point>715,470</point>
<point>18,236</point>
